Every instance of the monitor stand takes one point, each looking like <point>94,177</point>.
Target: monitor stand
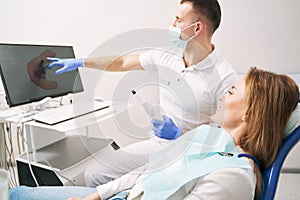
<point>40,105</point>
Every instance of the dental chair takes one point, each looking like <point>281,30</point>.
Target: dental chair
<point>271,175</point>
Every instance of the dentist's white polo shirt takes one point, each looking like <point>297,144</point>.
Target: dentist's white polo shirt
<point>189,95</point>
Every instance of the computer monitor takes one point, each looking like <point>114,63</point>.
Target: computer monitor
<point>26,77</point>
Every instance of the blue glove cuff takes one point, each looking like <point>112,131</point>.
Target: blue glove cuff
<point>79,62</point>
<point>178,133</point>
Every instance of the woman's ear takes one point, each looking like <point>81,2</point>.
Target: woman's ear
<point>244,118</point>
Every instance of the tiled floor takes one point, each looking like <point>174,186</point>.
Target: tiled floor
<point>288,187</point>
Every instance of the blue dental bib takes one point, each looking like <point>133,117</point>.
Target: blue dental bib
<point>195,154</point>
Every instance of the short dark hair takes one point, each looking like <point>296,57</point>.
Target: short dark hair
<point>208,9</point>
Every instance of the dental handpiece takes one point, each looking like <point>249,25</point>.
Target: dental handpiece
<point>150,109</point>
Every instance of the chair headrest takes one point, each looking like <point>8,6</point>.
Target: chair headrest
<point>293,122</point>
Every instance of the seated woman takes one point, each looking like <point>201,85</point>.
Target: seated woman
<point>208,162</point>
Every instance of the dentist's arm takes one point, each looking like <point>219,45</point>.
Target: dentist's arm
<point>115,63</point>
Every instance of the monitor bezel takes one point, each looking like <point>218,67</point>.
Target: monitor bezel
<point>9,101</point>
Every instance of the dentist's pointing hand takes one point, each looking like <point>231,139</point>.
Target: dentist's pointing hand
<point>66,65</point>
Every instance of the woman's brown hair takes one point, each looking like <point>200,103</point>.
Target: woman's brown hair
<point>270,100</point>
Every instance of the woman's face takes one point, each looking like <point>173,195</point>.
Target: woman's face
<point>231,113</point>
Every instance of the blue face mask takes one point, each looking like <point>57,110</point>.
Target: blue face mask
<point>175,33</point>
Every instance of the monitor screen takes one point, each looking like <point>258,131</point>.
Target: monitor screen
<point>26,77</point>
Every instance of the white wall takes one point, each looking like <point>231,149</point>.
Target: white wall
<point>253,32</point>
<point>263,33</point>
<point>84,24</point>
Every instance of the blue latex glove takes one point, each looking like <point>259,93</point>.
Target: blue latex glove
<point>166,129</point>
<point>68,64</point>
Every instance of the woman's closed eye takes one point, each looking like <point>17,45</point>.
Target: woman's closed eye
<point>230,91</point>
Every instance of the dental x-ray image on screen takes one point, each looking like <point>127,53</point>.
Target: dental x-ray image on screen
<point>26,77</point>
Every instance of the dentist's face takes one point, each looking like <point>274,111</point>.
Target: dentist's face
<point>185,17</point>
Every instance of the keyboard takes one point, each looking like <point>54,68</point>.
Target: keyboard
<point>60,114</point>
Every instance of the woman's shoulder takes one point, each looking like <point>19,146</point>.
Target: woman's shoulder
<point>227,183</point>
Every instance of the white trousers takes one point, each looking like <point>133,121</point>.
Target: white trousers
<point>111,164</point>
